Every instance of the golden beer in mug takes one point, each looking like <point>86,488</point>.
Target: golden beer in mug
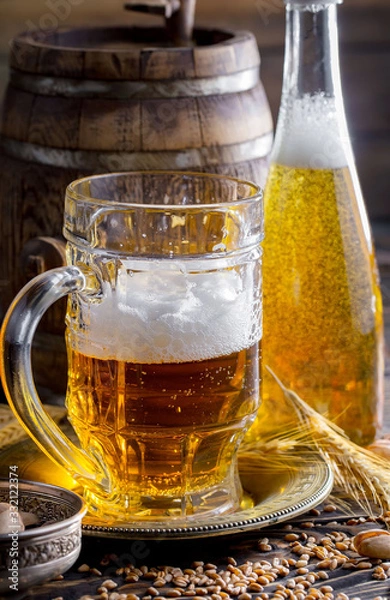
<point>163,337</point>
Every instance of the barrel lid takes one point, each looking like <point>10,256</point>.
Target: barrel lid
<point>132,53</point>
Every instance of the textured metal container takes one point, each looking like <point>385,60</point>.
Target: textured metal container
<point>42,552</point>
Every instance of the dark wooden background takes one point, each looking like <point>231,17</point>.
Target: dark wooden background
<point>365,62</point>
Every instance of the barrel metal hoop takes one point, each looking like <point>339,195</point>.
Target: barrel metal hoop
<point>192,158</point>
<point>125,90</point>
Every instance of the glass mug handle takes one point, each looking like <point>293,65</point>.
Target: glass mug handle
<point>20,324</point>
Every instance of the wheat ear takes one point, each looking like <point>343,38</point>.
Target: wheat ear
<point>363,475</point>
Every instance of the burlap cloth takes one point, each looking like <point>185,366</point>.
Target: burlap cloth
<point>12,432</point>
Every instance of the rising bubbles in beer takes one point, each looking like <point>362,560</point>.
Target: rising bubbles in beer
<point>164,381</point>
<point>322,305</point>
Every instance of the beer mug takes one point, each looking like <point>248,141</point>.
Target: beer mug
<point>163,331</point>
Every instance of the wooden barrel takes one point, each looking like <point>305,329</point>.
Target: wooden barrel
<point>93,100</point>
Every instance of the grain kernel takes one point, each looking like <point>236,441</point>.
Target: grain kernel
<point>180,582</point>
<point>322,575</point>
<point>292,562</point>
<point>291,537</point>
<point>96,572</point>
<point>320,552</point>
<point>341,546</point>
<point>380,576</point>
<point>374,543</point>
<point>301,563</point>
<point>364,565</point>
<point>255,587</point>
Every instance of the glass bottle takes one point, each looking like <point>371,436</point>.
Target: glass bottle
<point>322,305</point>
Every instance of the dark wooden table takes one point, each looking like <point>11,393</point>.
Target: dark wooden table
<point>265,552</point>
<point>247,552</point>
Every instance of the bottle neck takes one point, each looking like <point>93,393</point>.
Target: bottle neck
<point>311,64</point>
<point>311,131</point>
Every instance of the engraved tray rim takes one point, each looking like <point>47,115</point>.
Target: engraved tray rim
<point>309,483</point>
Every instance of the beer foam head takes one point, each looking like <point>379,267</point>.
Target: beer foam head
<point>312,133</point>
<point>171,315</point>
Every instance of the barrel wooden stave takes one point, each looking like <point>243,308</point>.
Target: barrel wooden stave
<point>136,125</point>
<point>214,53</point>
<point>105,126</point>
